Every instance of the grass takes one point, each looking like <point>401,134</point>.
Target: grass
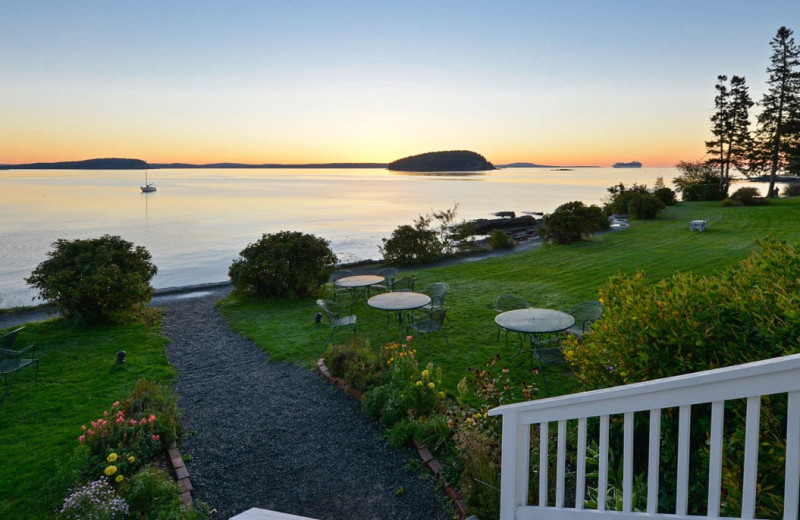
<point>40,424</point>
<point>549,276</point>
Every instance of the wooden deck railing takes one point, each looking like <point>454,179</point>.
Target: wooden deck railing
<point>748,382</point>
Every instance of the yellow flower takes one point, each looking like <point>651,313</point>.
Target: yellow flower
<point>110,470</point>
<point>431,385</point>
<point>112,457</point>
<point>424,373</point>
<point>419,383</point>
<point>119,478</point>
<point>441,395</point>
<point>131,459</point>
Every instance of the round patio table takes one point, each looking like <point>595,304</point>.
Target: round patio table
<point>537,323</point>
<point>534,321</point>
<point>399,302</point>
<point>358,284</point>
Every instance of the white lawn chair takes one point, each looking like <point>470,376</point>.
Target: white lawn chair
<point>698,225</point>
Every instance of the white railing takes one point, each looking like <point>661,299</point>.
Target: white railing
<point>747,382</point>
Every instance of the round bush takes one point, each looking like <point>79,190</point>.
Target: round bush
<point>726,203</point>
<point>747,196</point>
<point>499,239</point>
<point>411,245</point>
<point>572,221</point>
<point>665,195</point>
<point>643,206</point>
<point>95,280</point>
<point>288,264</point>
<point>791,190</point>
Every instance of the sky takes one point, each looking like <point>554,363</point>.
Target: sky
<point>557,82</point>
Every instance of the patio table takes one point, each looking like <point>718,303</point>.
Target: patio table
<point>399,302</point>
<point>536,323</point>
<point>358,284</point>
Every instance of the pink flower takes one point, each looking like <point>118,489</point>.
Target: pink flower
<point>133,422</point>
<point>156,437</point>
<point>143,421</point>
<point>105,413</point>
<point>90,432</point>
<point>83,427</point>
<point>409,338</point>
<point>152,418</point>
<point>116,403</point>
<point>120,420</point>
<point>94,424</point>
<point>82,438</point>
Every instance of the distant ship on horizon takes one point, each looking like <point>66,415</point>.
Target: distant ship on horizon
<point>632,164</point>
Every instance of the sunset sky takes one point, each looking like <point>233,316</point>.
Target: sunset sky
<point>562,82</point>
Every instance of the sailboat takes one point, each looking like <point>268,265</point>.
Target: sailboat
<point>148,187</point>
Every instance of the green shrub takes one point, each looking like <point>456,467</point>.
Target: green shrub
<point>499,239</point>
<point>791,190</point>
<point>643,206</point>
<point>149,397</point>
<point>698,181</point>
<point>619,198</point>
<point>153,494</point>
<point>288,264</point>
<point>96,280</point>
<point>410,245</point>
<point>748,196</point>
<point>726,203</point>
<point>355,362</point>
<point>688,323</point>
<point>572,221</point>
<point>407,392</point>
<point>666,196</point>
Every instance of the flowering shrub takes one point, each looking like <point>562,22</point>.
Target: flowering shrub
<point>407,392</point>
<point>355,362</point>
<point>119,445</point>
<point>94,501</point>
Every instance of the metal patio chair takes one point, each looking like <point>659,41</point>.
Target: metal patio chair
<point>585,314</point>
<point>336,317</point>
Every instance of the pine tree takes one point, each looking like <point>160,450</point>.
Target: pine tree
<point>731,145</point>
<point>778,131</point>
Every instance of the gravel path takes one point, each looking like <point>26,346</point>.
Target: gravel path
<point>275,436</point>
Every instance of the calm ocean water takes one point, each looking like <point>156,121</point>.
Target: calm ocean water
<point>198,220</point>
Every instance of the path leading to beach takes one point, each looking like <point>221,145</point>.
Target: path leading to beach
<point>274,436</point>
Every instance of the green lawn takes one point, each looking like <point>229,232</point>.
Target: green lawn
<point>40,424</point>
<point>549,276</point>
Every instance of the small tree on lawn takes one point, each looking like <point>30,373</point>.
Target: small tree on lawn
<point>288,264</point>
<point>95,280</point>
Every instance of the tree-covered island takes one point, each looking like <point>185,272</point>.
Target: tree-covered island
<point>451,161</point>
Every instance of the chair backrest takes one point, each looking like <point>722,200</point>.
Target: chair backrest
<point>389,274</point>
<point>586,313</point>
<point>437,292</point>
<point>405,283</point>
<point>331,309</point>
<point>8,339</point>
<point>509,302</point>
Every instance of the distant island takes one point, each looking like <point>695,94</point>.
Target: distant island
<point>138,164</point>
<point>632,164</point>
<point>90,164</point>
<point>449,161</point>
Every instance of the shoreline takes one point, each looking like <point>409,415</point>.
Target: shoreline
<point>17,316</point>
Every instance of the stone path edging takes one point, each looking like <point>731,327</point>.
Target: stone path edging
<point>181,474</point>
<point>424,453</point>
